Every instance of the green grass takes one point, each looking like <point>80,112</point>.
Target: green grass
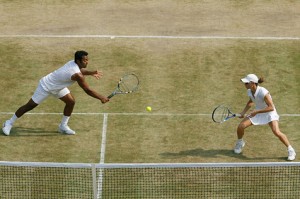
<point>177,77</point>
<point>35,138</point>
<point>180,79</point>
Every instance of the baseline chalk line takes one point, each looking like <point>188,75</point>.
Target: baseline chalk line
<point>150,37</point>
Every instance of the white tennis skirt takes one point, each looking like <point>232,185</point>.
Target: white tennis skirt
<point>264,118</point>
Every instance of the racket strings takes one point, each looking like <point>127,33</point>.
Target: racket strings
<point>224,114</point>
<point>220,114</point>
<point>129,83</point>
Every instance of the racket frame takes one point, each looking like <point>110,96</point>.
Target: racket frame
<point>229,114</point>
<point>118,89</point>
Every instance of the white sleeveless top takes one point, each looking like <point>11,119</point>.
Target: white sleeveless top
<point>258,99</point>
<point>60,78</point>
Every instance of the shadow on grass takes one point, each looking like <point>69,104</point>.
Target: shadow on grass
<point>214,153</point>
<point>20,132</point>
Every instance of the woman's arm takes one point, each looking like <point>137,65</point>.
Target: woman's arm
<point>247,107</point>
<point>270,106</point>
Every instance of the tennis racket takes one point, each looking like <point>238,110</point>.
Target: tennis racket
<point>222,113</point>
<point>129,83</point>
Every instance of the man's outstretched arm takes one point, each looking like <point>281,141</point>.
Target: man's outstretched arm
<point>96,73</point>
<point>84,85</point>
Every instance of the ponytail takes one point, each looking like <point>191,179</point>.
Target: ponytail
<point>261,80</point>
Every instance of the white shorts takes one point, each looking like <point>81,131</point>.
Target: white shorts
<point>40,94</point>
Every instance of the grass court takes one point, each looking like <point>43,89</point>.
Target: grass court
<point>182,79</point>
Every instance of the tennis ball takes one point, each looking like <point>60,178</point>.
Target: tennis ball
<point>148,108</point>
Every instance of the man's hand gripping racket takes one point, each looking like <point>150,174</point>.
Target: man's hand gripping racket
<point>222,113</point>
<point>128,84</point>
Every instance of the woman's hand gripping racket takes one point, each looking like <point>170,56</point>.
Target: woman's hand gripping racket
<point>128,84</point>
<point>222,113</point>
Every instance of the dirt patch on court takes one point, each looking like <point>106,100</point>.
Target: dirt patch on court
<point>189,17</point>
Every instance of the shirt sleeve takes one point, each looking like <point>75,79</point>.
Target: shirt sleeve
<point>249,94</point>
<point>264,92</point>
<point>74,69</point>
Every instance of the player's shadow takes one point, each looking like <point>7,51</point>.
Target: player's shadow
<point>212,153</point>
<point>22,132</point>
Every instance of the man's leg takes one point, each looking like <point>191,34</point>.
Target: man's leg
<point>25,108</point>
<point>38,97</point>
<point>21,111</point>
<point>69,101</point>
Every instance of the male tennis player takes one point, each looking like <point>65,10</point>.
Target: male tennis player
<point>55,84</point>
<point>264,113</point>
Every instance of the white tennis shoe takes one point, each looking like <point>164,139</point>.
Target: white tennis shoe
<point>239,146</point>
<point>6,127</point>
<point>65,129</point>
<point>291,154</point>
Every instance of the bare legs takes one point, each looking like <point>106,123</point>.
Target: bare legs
<point>242,126</point>
<point>273,125</point>
<point>240,134</point>
<point>70,103</point>
<point>276,131</point>
<point>282,137</point>
<point>25,108</point>
<point>67,99</point>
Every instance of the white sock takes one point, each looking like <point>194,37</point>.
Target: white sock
<point>65,120</point>
<point>290,147</point>
<point>240,140</point>
<point>13,119</point>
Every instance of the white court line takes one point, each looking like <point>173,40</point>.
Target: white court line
<point>138,114</point>
<point>151,37</point>
<point>142,114</point>
<point>103,143</point>
<point>102,155</point>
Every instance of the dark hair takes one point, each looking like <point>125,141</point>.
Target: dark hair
<point>79,54</point>
<point>261,80</point>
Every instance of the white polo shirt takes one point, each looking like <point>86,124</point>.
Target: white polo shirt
<point>60,78</point>
<point>258,99</point>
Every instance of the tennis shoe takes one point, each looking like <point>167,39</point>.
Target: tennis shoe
<point>65,129</point>
<point>239,146</point>
<point>291,154</point>
<point>6,127</point>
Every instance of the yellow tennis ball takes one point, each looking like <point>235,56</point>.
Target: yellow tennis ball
<point>148,108</point>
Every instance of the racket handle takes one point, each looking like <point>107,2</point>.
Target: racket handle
<point>111,95</point>
<point>237,115</point>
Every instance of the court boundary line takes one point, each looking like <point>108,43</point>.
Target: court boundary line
<point>140,114</point>
<point>103,142</point>
<point>150,37</point>
<point>102,155</point>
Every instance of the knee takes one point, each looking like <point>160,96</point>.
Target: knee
<point>71,102</point>
<point>241,126</point>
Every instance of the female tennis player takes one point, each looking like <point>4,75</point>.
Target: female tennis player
<point>55,84</point>
<point>264,113</point>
